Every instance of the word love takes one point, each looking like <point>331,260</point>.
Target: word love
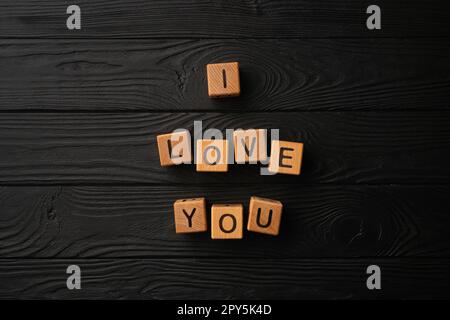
<point>240,146</point>
<point>227,220</point>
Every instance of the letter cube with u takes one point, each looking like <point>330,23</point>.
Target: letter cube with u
<point>264,215</point>
<point>174,148</point>
<point>227,221</point>
<point>190,215</point>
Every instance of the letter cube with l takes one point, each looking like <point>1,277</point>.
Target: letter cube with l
<point>212,155</point>
<point>190,215</point>
<point>250,145</point>
<point>174,148</point>
<point>264,215</point>
<point>285,157</point>
<point>227,221</point>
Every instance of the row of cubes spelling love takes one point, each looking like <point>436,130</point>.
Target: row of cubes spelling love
<point>227,220</point>
<point>212,155</point>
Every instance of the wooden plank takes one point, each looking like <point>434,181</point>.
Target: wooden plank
<point>225,279</point>
<point>318,221</point>
<point>276,75</point>
<point>223,18</point>
<point>340,148</point>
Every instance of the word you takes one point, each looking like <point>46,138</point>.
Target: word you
<point>213,153</point>
<point>227,220</point>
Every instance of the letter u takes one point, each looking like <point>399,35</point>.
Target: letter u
<point>258,219</point>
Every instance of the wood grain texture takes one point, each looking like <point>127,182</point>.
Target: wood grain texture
<point>225,279</point>
<point>317,221</point>
<point>223,18</point>
<point>350,147</point>
<point>276,75</point>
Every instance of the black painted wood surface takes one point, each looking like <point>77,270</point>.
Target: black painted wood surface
<point>80,181</point>
<point>225,278</point>
<point>137,221</point>
<point>223,18</point>
<point>276,74</point>
<point>340,147</point>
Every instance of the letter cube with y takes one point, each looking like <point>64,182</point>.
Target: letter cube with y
<point>223,79</point>
<point>250,145</point>
<point>286,157</point>
<point>212,155</point>
<point>264,215</point>
<point>227,221</point>
<point>174,148</point>
<point>190,215</point>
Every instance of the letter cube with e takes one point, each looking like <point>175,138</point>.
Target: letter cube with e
<point>174,148</point>
<point>250,145</point>
<point>227,221</point>
<point>212,155</point>
<point>223,79</point>
<point>190,215</point>
<point>264,215</point>
<point>285,157</point>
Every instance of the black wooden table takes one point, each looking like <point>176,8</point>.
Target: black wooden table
<point>79,170</point>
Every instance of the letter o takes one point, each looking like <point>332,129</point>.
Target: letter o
<point>205,155</point>
<point>221,223</point>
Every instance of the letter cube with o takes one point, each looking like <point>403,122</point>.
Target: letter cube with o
<point>174,148</point>
<point>190,215</point>
<point>286,157</point>
<point>227,221</point>
<point>212,155</point>
<point>264,215</point>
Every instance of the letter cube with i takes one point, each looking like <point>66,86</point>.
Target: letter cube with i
<point>212,155</point>
<point>250,145</point>
<point>264,215</point>
<point>223,79</point>
<point>174,148</point>
<point>227,221</point>
<point>190,215</point>
<point>286,157</point>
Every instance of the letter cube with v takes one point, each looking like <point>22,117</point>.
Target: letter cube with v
<point>250,146</point>
<point>190,215</point>
<point>174,148</point>
<point>227,221</point>
<point>264,215</point>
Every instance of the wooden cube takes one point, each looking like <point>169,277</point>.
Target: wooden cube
<point>227,221</point>
<point>285,157</point>
<point>174,148</point>
<point>212,155</point>
<point>223,79</point>
<point>250,145</point>
<point>264,215</point>
<point>190,215</point>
